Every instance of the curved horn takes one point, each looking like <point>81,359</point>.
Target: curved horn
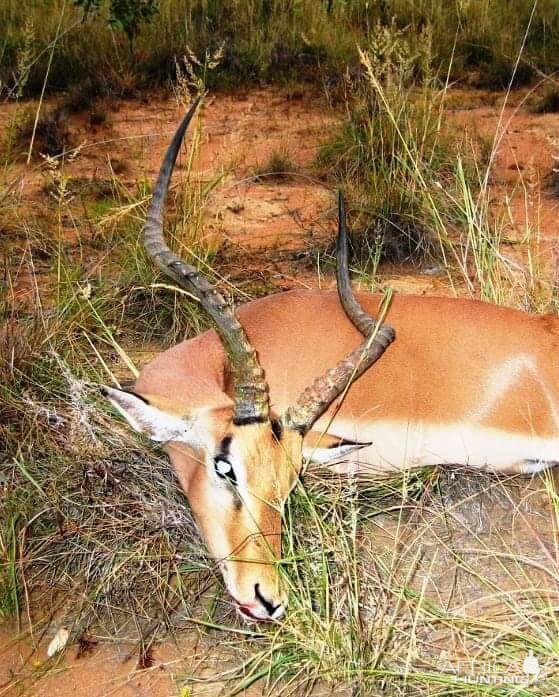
<point>251,389</point>
<point>314,401</point>
<point>361,320</point>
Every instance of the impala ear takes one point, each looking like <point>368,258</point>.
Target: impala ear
<point>323,448</point>
<point>159,424</point>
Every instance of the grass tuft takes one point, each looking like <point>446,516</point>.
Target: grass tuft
<point>280,165</point>
<point>547,102</point>
<point>48,135</point>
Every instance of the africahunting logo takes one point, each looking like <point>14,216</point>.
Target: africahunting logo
<point>494,672</point>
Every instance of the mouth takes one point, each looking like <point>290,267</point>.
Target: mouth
<point>246,614</point>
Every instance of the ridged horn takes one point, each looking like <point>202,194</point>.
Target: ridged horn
<point>250,387</point>
<point>314,401</point>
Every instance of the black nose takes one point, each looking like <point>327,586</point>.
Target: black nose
<point>270,607</point>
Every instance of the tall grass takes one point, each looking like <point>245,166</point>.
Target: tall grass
<point>268,40</point>
<point>92,300</point>
<point>390,153</point>
<point>421,190</point>
<point>376,614</point>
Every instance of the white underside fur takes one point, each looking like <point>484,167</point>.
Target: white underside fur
<point>396,446</point>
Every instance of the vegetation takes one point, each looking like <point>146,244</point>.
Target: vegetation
<point>476,43</point>
<point>390,153</point>
<point>92,525</point>
<point>280,165</point>
<point>548,102</point>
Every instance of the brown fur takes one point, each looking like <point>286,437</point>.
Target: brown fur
<point>445,350</point>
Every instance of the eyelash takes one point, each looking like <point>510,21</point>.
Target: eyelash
<point>230,476</point>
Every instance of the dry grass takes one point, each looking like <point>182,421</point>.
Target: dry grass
<point>476,42</point>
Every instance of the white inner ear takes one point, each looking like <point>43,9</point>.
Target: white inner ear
<point>323,456</point>
<point>156,424</point>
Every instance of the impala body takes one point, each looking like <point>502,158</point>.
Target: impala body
<point>465,382</point>
<point>290,377</point>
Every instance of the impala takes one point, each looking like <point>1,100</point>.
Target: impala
<point>290,377</point>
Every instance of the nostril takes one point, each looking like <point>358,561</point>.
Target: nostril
<point>270,607</point>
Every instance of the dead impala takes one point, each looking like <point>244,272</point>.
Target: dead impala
<point>238,409</point>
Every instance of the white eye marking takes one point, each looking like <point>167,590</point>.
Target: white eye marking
<point>223,467</point>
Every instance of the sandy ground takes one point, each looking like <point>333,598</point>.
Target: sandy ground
<point>193,665</point>
<point>271,227</point>
<point>527,152</point>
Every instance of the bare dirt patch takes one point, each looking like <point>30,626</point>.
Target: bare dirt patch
<point>523,180</point>
<point>254,209</point>
<point>273,224</point>
<point>194,663</point>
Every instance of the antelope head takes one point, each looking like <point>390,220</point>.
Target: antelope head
<point>240,461</point>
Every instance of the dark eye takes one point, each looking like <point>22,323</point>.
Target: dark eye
<point>224,469</point>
